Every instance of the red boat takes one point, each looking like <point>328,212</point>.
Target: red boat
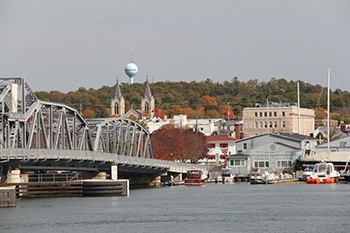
<point>194,178</point>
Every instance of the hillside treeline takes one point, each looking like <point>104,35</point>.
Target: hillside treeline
<point>206,99</point>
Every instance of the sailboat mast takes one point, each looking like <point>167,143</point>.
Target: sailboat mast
<point>298,107</point>
<point>328,109</point>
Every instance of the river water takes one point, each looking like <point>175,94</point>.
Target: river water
<point>210,208</point>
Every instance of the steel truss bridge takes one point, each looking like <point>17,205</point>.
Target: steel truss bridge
<point>39,134</point>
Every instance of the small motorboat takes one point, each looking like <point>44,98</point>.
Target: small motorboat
<point>195,178</point>
<point>257,177</point>
<point>226,176</point>
<point>323,173</point>
<point>307,172</point>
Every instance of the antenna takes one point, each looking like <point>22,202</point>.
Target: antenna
<point>298,93</point>
<point>131,54</point>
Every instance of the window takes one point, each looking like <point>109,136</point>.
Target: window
<point>275,124</point>
<point>260,113</point>
<point>283,113</point>
<point>256,114</point>
<point>256,125</point>
<point>284,163</point>
<point>237,162</point>
<point>223,145</point>
<point>275,114</point>
<point>116,108</point>
<point>283,124</point>
<point>261,125</point>
<point>261,164</point>
<point>245,146</point>
<point>270,114</point>
<point>211,145</point>
<point>270,124</point>
<point>265,114</point>
<point>265,124</point>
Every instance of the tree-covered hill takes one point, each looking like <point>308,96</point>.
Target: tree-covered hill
<point>206,99</point>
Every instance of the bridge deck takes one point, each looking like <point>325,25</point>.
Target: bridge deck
<point>78,160</point>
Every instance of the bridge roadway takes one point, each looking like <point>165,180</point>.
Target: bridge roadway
<point>83,160</point>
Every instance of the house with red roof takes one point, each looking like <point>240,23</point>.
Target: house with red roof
<point>219,147</point>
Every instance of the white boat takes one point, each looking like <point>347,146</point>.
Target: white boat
<point>258,177</point>
<point>227,175</point>
<point>307,172</point>
<point>323,173</point>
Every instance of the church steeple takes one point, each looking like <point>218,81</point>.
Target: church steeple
<point>118,102</point>
<point>117,91</point>
<point>148,93</point>
<point>147,103</point>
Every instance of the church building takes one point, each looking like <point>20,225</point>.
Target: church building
<point>147,104</point>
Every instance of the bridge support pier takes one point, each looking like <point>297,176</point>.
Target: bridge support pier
<point>114,172</point>
<point>14,177</point>
<point>156,182</point>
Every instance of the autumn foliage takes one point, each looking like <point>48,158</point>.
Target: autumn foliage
<point>207,99</point>
<point>170,143</point>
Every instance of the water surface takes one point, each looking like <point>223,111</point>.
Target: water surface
<point>210,208</point>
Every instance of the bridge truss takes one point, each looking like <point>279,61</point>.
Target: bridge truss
<point>29,123</point>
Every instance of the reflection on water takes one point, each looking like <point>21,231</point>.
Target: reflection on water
<point>210,208</point>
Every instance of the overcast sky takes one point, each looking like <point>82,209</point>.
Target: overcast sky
<point>66,44</point>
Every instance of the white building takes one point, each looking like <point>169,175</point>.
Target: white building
<point>205,126</point>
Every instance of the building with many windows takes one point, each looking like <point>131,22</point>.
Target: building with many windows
<point>278,118</point>
<point>219,147</point>
<point>272,152</point>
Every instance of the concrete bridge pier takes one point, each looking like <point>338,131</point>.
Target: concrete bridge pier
<point>114,172</point>
<point>14,177</point>
<point>156,182</point>
<point>151,180</point>
<point>5,172</point>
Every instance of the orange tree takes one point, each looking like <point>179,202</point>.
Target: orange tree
<point>169,143</point>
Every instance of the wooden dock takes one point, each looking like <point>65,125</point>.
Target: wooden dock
<point>76,188</point>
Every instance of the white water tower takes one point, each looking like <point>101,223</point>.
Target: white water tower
<point>131,71</point>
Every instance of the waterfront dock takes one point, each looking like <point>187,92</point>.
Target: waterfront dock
<point>77,188</point>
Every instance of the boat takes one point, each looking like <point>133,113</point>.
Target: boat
<point>323,173</point>
<point>194,178</point>
<point>307,172</point>
<point>257,177</point>
<point>346,176</point>
<point>346,172</point>
<point>227,175</point>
